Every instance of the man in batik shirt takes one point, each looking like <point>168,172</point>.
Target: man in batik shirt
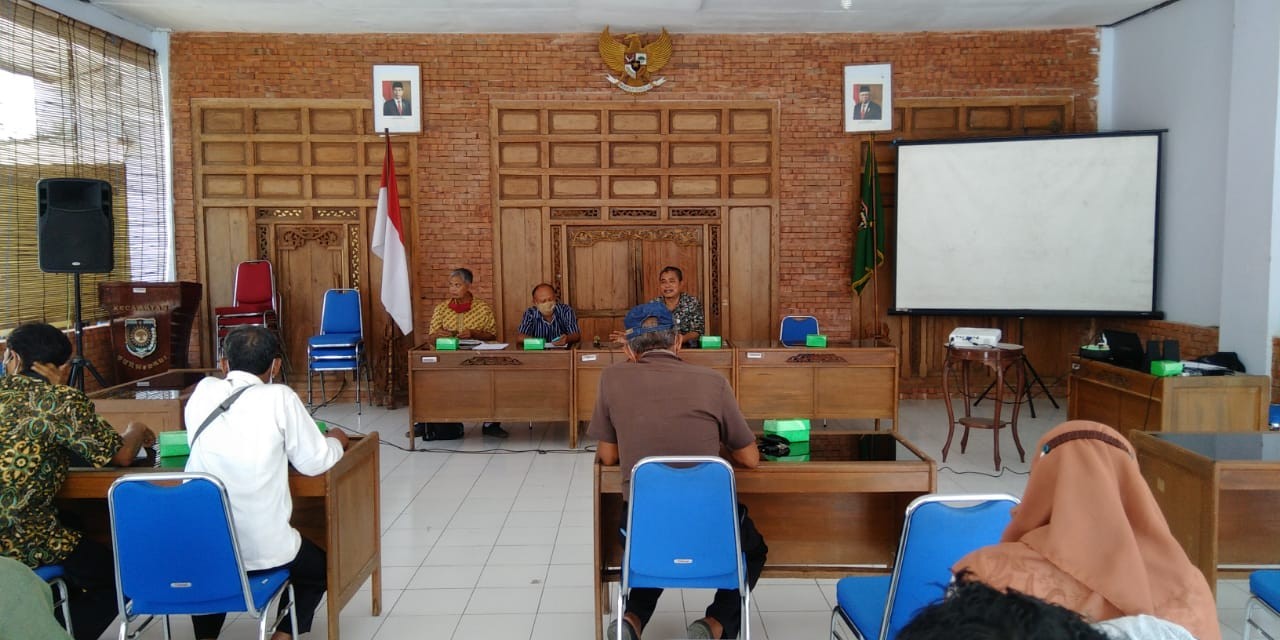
<point>43,423</point>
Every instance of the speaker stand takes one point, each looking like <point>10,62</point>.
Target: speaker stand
<point>78,362</point>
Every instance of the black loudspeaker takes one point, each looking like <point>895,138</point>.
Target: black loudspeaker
<point>1153,351</point>
<point>74,228</point>
<point>1171,350</point>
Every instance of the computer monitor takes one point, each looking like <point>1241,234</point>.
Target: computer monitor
<point>1126,349</point>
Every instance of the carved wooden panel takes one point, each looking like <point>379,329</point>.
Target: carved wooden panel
<point>575,187</point>
<point>296,182</point>
<point>570,121</point>
<point>310,259</point>
<point>216,153</point>
<point>673,165</point>
<point>523,267</point>
<point>519,121</point>
<point>751,121</point>
<point>225,186</point>
<point>635,154</point>
<point>278,186</point>
<point>277,120</point>
<point>634,121</point>
<point>695,186</point>
<point>285,153</point>
<point>229,120</point>
<point>634,186</point>
<point>343,154</point>
<point>695,121</point>
<point>520,154</point>
<point>520,187</point>
<point>749,154</point>
<point>695,154</point>
<point>575,154</point>
<point>748,276</point>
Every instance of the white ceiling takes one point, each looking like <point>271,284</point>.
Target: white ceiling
<point>578,16</point>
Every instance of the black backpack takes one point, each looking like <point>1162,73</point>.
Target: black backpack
<point>444,430</point>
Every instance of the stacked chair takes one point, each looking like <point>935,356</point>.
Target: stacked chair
<point>255,301</point>
<point>340,344</point>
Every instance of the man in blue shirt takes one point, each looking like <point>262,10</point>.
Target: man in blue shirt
<point>548,319</point>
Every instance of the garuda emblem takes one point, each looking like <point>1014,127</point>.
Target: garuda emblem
<point>634,64</point>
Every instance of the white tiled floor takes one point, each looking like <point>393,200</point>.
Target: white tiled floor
<point>482,542</point>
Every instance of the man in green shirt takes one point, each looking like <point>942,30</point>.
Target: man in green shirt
<point>43,422</point>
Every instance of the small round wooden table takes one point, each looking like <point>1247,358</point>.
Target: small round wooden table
<point>1000,359</point>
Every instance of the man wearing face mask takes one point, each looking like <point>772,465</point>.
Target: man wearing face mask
<point>43,424</point>
<point>549,319</point>
<point>249,446</point>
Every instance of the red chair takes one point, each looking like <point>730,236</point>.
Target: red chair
<point>255,300</point>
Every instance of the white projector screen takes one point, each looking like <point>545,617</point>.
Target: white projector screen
<point>1063,225</point>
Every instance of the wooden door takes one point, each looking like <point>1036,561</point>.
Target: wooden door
<point>597,197</point>
<point>614,269</point>
<point>311,260</point>
<point>296,182</point>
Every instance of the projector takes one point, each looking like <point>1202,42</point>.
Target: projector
<point>971,337</point>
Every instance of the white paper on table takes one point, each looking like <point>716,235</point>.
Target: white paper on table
<point>490,346</point>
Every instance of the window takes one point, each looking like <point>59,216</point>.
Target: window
<point>76,102</point>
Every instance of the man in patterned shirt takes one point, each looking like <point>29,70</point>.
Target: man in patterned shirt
<point>549,319</point>
<point>43,423</point>
<point>465,317</point>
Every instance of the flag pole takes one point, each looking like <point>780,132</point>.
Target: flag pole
<point>856,200</point>
<point>388,332</point>
<point>875,268</point>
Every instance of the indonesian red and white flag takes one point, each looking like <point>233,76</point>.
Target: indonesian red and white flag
<point>388,244</point>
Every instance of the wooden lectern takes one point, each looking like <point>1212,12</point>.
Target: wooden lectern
<point>151,325</point>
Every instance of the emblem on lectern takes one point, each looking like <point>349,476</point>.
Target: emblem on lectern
<point>140,336</point>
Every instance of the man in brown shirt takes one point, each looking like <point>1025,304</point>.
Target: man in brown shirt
<point>655,404</point>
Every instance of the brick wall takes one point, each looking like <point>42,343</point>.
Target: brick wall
<point>462,74</point>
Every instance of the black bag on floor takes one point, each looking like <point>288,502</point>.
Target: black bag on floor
<point>444,430</point>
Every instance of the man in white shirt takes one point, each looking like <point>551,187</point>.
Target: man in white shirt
<point>249,447</point>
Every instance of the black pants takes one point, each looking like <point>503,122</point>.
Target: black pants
<point>726,607</point>
<point>90,574</point>
<point>306,573</point>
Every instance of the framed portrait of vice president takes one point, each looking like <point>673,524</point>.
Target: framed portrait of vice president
<point>397,98</point>
<point>868,98</point>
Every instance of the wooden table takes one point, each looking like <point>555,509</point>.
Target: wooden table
<point>999,359</point>
<point>1133,400</point>
<point>590,362</point>
<point>842,380</point>
<point>1220,493</point>
<point>338,510</point>
<point>157,401</point>
<point>838,514</point>
<point>510,384</point>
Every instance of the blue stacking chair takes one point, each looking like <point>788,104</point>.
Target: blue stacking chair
<point>936,534</point>
<point>340,344</point>
<point>1264,591</point>
<point>52,573</point>
<point>795,329</point>
<point>176,554</point>
<point>682,530</point>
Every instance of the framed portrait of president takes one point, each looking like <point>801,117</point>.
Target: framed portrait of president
<point>397,98</point>
<point>868,99</point>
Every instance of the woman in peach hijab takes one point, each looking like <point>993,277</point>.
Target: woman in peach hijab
<point>1089,536</point>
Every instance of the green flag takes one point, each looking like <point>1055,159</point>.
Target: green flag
<point>868,230</point>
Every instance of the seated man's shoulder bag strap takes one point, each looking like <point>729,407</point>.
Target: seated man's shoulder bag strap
<point>217,411</point>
